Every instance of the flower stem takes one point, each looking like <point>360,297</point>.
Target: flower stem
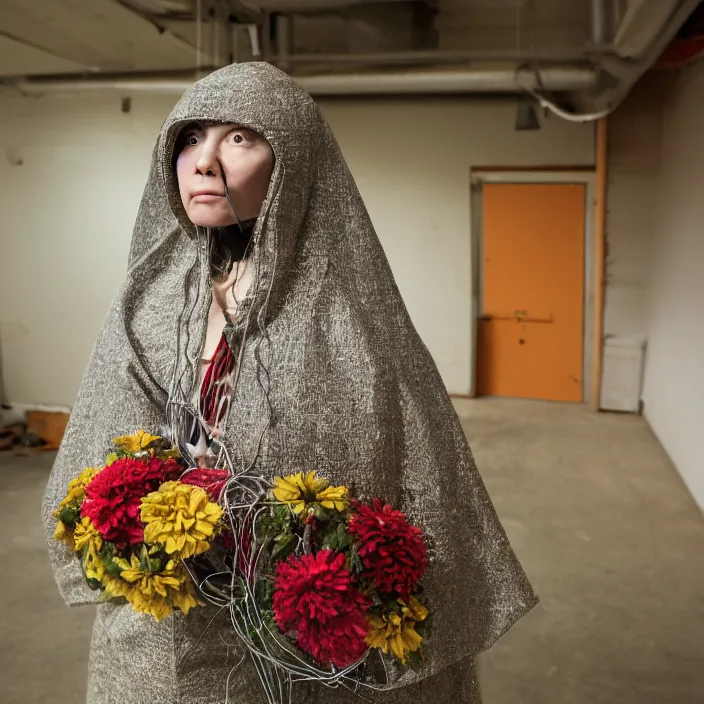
<point>307,534</point>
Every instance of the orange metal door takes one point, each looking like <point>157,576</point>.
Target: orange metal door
<point>531,331</point>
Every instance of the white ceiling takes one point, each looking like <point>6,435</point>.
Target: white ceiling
<point>19,59</point>
<point>93,34</point>
<point>40,37</point>
<point>67,36</point>
<point>512,24</point>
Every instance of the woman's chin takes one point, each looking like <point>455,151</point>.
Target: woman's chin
<point>206,220</point>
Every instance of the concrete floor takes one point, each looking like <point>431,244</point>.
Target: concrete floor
<point>608,534</point>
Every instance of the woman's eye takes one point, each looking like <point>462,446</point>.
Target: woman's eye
<point>238,138</point>
<point>191,140</point>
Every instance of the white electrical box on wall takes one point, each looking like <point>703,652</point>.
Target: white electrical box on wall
<point>622,378</point>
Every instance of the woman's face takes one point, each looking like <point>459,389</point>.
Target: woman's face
<point>247,160</point>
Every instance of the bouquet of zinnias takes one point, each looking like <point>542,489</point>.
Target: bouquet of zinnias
<point>324,579</point>
<point>135,520</point>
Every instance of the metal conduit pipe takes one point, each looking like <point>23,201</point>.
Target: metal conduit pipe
<point>435,56</point>
<point>283,41</point>
<point>499,80</point>
<point>451,82</point>
<point>601,13</point>
<point>662,18</point>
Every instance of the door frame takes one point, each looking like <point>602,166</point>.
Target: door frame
<point>478,177</point>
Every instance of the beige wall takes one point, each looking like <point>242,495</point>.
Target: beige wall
<point>635,139</point>
<point>655,260</point>
<point>73,172</point>
<point>71,176</point>
<point>674,378</point>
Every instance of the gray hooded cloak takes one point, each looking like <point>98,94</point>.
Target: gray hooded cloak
<point>332,376</point>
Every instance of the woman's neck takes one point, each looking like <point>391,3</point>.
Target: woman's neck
<point>230,244</point>
<point>237,238</point>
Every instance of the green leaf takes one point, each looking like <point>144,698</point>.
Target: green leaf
<point>240,588</point>
<point>276,521</point>
<point>285,543</point>
<point>343,538</point>
<point>321,513</point>
<point>94,584</point>
<point>108,550</point>
<point>282,514</point>
<point>391,605</point>
<point>261,529</point>
<point>354,561</point>
<point>112,568</point>
<point>424,628</point>
<point>84,555</point>
<point>414,660</point>
<point>255,638</point>
<point>330,541</point>
<point>147,562</point>
<point>265,595</point>
<point>70,515</point>
<point>107,556</point>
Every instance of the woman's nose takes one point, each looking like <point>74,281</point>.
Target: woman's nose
<point>207,163</point>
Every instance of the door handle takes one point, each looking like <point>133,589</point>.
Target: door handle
<point>517,318</point>
<point>533,320</point>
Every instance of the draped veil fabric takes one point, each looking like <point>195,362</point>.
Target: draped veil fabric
<point>332,376</point>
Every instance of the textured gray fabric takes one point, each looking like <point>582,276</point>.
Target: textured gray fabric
<point>333,377</point>
<point>119,656</point>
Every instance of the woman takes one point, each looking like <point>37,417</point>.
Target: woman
<point>317,366</point>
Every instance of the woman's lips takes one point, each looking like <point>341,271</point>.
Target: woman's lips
<point>206,197</point>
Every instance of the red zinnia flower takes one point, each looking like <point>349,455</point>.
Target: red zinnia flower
<point>212,480</point>
<point>392,551</point>
<point>314,598</point>
<point>112,500</point>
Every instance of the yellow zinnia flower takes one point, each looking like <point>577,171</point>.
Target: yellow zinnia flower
<point>180,517</point>
<point>135,443</point>
<point>63,533</point>
<point>73,499</point>
<point>154,593</point>
<point>92,564</point>
<point>85,533</point>
<point>303,491</point>
<point>77,488</point>
<point>396,632</point>
<point>185,599</point>
<point>114,587</point>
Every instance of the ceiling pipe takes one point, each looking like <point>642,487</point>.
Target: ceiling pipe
<point>499,80</point>
<point>433,56</point>
<point>601,14</point>
<point>284,39</point>
<point>450,82</point>
<point>168,86</point>
<point>625,72</point>
<point>643,22</point>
